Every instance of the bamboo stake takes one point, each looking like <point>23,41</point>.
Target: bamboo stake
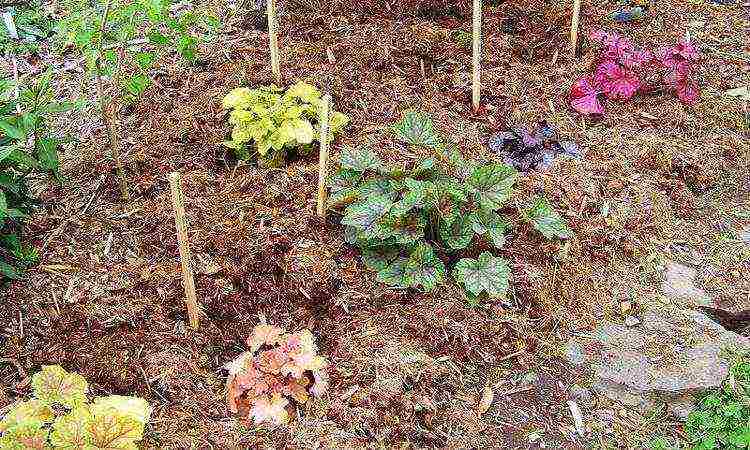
<point>574,26</point>
<point>109,116</point>
<point>273,39</point>
<point>476,76</point>
<point>10,25</point>
<point>191,299</point>
<point>325,108</point>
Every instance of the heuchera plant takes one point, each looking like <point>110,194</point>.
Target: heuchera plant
<point>278,367</point>
<point>622,71</point>
<point>276,122</point>
<point>404,219</point>
<point>59,416</point>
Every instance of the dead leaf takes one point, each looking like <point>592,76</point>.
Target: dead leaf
<point>486,401</point>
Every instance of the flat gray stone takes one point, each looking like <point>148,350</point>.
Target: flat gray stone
<point>679,284</point>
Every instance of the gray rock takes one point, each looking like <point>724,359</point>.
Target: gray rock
<point>669,358</point>
<point>574,353</point>
<point>679,284</point>
<point>631,321</point>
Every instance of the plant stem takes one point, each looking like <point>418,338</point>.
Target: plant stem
<point>108,114</point>
<point>477,50</point>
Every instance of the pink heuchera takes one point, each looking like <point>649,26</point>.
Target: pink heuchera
<point>621,69</point>
<point>278,368</point>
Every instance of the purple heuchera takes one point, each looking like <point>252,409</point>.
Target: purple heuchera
<point>621,69</point>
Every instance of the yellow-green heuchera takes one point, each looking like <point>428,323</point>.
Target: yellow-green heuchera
<point>268,123</point>
<point>59,416</point>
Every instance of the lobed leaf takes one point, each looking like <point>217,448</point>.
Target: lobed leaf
<point>490,223</point>
<point>360,159</point>
<point>416,128</point>
<point>458,233</point>
<point>365,216</point>
<point>488,274</point>
<point>54,385</point>
<point>492,185</point>
<point>546,220</point>
<point>424,268</point>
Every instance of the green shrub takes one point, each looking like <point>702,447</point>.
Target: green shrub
<point>26,148</point>
<point>276,123</point>
<point>59,416</point>
<point>404,219</point>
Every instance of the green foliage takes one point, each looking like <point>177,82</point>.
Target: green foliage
<point>26,148</point>
<point>32,26</point>
<point>408,221</point>
<point>166,27</point>
<point>276,122</point>
<point>722,419</point>
<point>59,416</point>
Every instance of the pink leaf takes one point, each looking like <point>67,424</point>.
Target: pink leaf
<point>271,409</point>
<point>616,82</point>
<point>264,335</point>
<point>584,97</point>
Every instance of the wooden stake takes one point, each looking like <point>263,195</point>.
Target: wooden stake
<point>273,39</point>
<point>574,26</point>
<point>325,108</point>
<point>476,76</point>
<point>191,299</point>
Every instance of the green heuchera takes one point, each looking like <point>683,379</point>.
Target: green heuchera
<point>59,416</point>
<point>404,219</point>
<point>268,123</point>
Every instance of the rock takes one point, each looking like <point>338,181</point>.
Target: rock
<point>581,395</point>
<point>744,235</point>
<point>631,321</point>
<point>679,284</point>
<point>669,358</point>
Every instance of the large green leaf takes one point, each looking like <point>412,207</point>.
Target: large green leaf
<point>492,185</point>
<point>8,271</point>
<point>365,215</point>
<point>416,128</point>
<point>404,229</point>
<point>488,274</point>
<point>424,268</point>
<point>458,233</point>
<point>360,159</point>
<point>47,154</point>
<point>12,130</point>
<point>380,257</point>
<point>5,152</point>
<point>491,224</point>
<point>546,220</point>
<point>394,274</point>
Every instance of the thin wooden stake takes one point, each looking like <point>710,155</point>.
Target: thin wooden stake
<point>325,108</point>
<point>273,40</point>
<point>191,299</point>
<point>574,26</point>
<point>476,75</point>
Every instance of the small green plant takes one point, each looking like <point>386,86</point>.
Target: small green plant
<point>26,148</point>
<point>722,418</point>
<point>405,219</point>
<point>104,33</point>
<point>60,416</point>
<point>276,122</point>
<point>32,26</point>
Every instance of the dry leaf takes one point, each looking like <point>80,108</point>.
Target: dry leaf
<point>486,401</point>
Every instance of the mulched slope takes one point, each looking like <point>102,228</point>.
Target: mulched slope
<point>107,299</point>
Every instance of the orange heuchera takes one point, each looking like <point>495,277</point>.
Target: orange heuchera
<point>278,367</point>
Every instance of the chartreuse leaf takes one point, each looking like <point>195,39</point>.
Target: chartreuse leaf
<point>424,268</point>
<point>492,185</point>
<point>30,436</point>
<point>54,385</point>
<point>360,159</point>
<point>546,220</point>
<point>416,128</point>
<point>491,224</point>
<point>133,407</point>
<point>31,412</point>
<point>71,431</point>
<point>305,92</point>
<point>487,274</point>
<point>365,215</point>
<point>458,233</point>
<point>110,429</point>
